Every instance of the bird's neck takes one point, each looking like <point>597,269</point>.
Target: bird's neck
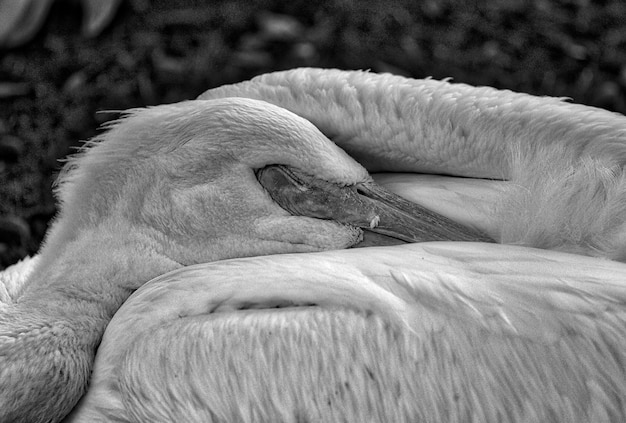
<point>49,336</point>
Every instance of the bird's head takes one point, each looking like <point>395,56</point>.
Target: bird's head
<point>224,178</point>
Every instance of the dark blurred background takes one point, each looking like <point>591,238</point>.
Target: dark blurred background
<point>158,51</point>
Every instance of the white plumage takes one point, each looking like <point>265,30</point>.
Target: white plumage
<point>427,332</point>
<point>559,157</point>
<point>421,332</point>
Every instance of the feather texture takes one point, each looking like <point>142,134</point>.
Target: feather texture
<point>497,334</point>
<point>565,161</point>
<point>429,332</point>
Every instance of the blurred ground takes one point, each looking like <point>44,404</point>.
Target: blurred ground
<point>164,51</point>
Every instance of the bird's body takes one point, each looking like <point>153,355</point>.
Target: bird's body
<point>424,332</point>
<point>427,332</point>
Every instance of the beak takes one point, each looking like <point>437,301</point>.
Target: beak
<point>389,218</point>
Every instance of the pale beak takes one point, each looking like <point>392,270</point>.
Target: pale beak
<point>367,205</point>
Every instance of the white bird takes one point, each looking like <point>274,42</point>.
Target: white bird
<point>427,332</point>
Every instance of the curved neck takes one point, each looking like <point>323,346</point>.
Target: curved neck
<point>49,336</point>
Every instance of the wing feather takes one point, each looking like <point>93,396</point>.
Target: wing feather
<point>486,341</point>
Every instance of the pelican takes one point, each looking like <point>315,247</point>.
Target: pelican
<point>193,197</point>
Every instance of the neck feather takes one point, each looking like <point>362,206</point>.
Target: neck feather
<point>49,336</point>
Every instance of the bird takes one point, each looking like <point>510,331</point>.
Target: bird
<point>167,187</point>
<point>432,331</point>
